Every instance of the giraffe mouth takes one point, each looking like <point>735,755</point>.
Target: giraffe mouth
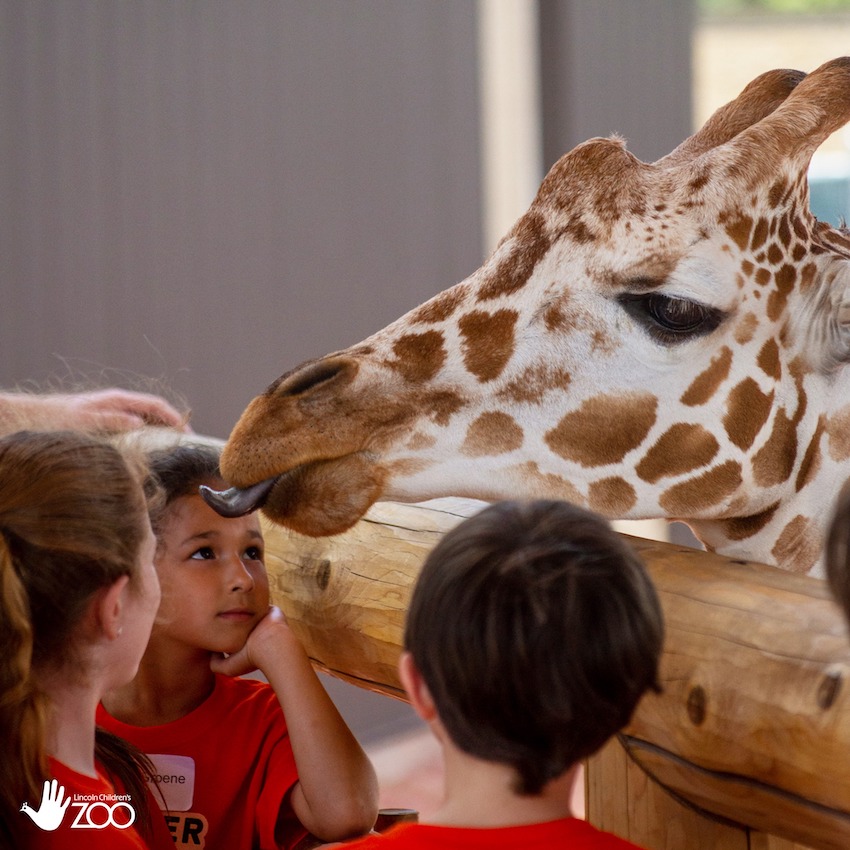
<point>318,498</point>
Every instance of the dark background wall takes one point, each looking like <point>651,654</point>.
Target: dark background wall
<point>197,196</point>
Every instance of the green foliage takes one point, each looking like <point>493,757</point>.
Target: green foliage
<point>792,7</point>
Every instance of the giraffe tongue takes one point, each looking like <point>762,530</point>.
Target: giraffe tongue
<point>236,502</point>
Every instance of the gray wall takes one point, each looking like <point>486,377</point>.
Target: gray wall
<point>208,193</point>
<point>610,66</point>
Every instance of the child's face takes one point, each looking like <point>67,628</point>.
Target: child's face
<point>214,583</point>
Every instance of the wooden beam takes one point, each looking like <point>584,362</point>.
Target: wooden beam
<point>754,722</point>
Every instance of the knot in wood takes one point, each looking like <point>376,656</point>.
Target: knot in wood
<point>696,705</point>
<point>323,573</point>
<point>828,689</point>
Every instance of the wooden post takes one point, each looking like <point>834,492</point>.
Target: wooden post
<point>754,722</point>
<point>621,798</point>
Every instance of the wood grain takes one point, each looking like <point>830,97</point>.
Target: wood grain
<point>753,725</point>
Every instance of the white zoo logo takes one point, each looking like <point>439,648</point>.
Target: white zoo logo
<point>92,812</point>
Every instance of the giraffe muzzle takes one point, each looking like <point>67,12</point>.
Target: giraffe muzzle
<point>238,501</point>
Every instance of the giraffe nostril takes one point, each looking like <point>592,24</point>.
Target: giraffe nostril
<point>312,375</point>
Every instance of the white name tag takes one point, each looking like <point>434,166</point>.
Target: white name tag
<point>175,777</point>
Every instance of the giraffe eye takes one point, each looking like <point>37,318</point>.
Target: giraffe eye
<point>671,320</point>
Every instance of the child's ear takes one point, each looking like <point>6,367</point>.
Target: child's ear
<point>108,608</point>
<point>417,690</point>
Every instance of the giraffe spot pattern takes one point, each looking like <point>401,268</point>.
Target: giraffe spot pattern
<point>440,405</point>
<point>768,360</point>
<point>599,185</point>
<point>738,230</point>
<point>699,180</point>
<point>705,384</point>
<point>808,275</point>
<point>487,342</point>
<point>362,350</point>
<point>408,466</point>
<point>745,328</point>
<point>681,448</point>
<point>578,230</point>
<point>492,433</point>
<point>611,496</point>
<point>747,410</point>
<point>419,357</point>
<point>777,193</point>
<point>420,442</point>
<point>696,495</point>
<point>555,313</point>
<point>838,432</point>
<point>534,383</point>
<point>440,308</point>
<point>741,528</point>
<point>759,234</point>
<point>798,369</point>
<point>783,233</point>
<point>544,484</point>
<point>530,245</point>
<point>812,458</point>
<point>775,254</point>
<point>837,241</point>
<point>785,278</point>
<point>799,545</point>
<point>556,319</point>
<point>604,429</point>
<point>774,461</point>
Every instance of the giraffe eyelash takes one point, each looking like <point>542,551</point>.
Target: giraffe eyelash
<point>671,320</point>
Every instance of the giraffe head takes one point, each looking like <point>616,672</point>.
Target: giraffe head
<point>649,340</point>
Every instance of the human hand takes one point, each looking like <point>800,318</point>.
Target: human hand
<point>267,644</point>
<point>108,410</point>
<point>50,813</point>
<point>114,410</point>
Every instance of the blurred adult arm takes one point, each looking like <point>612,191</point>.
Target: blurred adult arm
<point>110,410</point>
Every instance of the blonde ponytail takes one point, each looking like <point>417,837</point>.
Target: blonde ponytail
<point>23,708</point>
<point>72,520</point>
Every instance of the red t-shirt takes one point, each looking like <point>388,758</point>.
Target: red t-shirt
<point>80,812</point>
<point>224,769</point>
<point>569,833</point>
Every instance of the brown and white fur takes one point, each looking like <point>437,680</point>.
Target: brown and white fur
<point>649,340</point>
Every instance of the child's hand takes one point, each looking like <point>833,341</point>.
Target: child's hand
<point>336,795</point>
<point>267,644</point>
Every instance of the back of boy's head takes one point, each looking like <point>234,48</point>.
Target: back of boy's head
<point>537,630</point>
<point>179,471</point>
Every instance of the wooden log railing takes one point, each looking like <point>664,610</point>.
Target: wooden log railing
<point>753,725</point>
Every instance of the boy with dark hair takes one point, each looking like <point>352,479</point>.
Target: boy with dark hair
<point>532,633</point>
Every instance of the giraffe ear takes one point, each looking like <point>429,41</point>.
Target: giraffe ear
<point>758,99</point>
<point>818,106</point>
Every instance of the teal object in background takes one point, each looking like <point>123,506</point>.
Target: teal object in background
<point>829,188</point>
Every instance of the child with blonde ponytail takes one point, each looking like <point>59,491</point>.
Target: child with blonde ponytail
<point>78,595</point>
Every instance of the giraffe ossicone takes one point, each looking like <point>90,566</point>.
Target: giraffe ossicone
<point>665,339</point>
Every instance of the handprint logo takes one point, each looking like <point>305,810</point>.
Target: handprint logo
<point>50,813</point>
